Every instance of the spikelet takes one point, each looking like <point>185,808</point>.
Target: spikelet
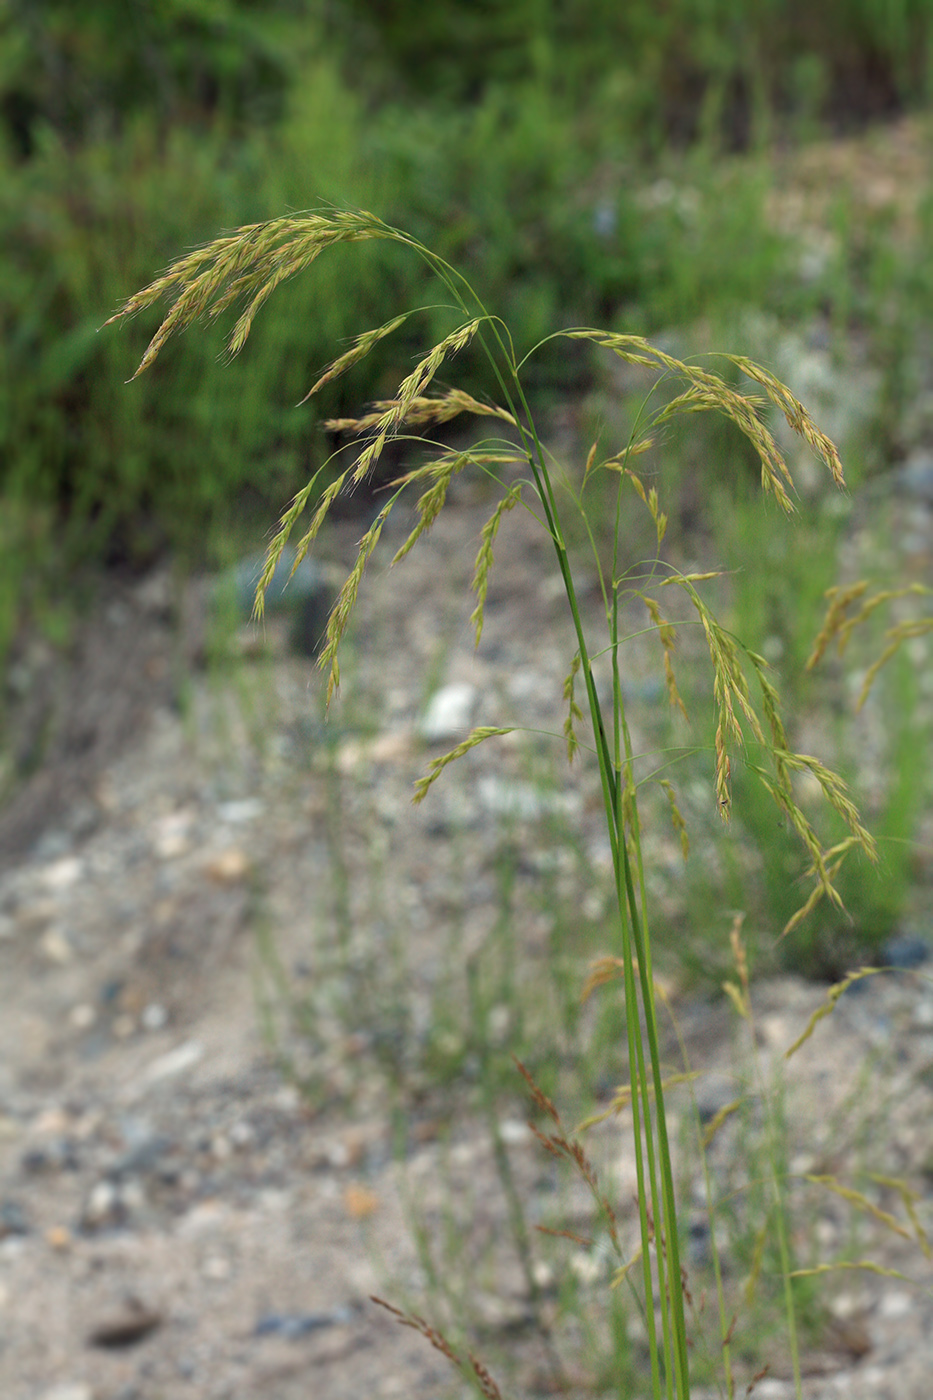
<point>358,351</point>
<point>667,636</point>
<point>484,558</point>
<point>680,826</point>
<point>346,600</point>
<point>437,766</point>
<point>431,503</point>
<point>574,713</point>
<point>420,411</point>
<point>244,266</point>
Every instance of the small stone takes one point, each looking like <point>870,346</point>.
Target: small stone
<point>123,1026</point>
<point>62,874</point>
<point>174,1062</point>
<point>59,1238</point>
<point>359,1201</point>
<point>55,947</point>
<point>216,1268</point>
<point>229,867</point>
<point>103,1205</point>
<point>82,1016</point>
<point>132,1196</point>
<point>204,1218</point>
<point>293,1326</point>
<point>125,1327</point>
<point>56,1155</point>
<point>242,1134</point>
<point>221,1147</point>
<point>51,1122</point>
<point>245,809</point>
<point>449,714</point>
<point>895,1305</point>
<point>287,1099</point>
<point>154,1017</point>
<point>171,835</point>
<point>587,1266</point>
<point>922,1016</point>
<point>70,1390</point>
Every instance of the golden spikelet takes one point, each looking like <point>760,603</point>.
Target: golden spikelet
<point>431,503</point>
<point>358,351</point>
<point>437,766</point>
<point>484,558</point>
<point>680,826</point>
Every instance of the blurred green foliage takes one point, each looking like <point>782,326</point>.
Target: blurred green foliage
<point>511,138</point>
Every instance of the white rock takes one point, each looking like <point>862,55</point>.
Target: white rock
<point>894,1305</point>
<point>246,809</point>
<point>154,1016</point>
<point>62,874</point>
<point>216,1268</point>
<point>55,947</point>
<point>449,714</point>
<point>174,1061</point>
<point>70,1390</point>
<point>101,1203</point>
<point>171,835</point>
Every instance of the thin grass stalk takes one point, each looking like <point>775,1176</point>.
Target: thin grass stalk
<point>638,1079</point>
<point>668,1216</point>
<point>783,1242</point>
<point>665,1216</point>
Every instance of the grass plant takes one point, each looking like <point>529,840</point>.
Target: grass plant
<point>242,270</point>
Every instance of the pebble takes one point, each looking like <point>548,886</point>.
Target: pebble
<point>125,1326</point>
<point>55,947</point>
<point>171,835</point>
<point>294,1326</point>
<point>174,1062</point>
<point>82,1016</point>
<point>154,1017</point>
<point>69,1390</point>
<point>62,874</point>
<point>103,1206</point>
<point>59,1238</point>
<point>216,1268</point>
<point>229,867</point>
<point>449,713</point>
<point>245,809</point>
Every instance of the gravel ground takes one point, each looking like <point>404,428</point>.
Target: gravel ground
<point>176,1219</point>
